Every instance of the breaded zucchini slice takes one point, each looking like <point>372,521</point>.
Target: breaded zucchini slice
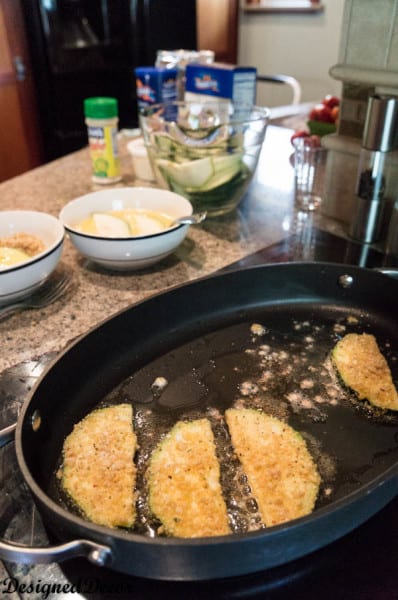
<point>364,369</point>
<point>184,482</point>
<point>281,472</point>
<point>98,470</point>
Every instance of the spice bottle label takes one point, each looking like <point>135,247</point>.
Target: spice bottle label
<point>104,152</point>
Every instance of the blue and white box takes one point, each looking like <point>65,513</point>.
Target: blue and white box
<point>220,81</point>
<point>155,84</point>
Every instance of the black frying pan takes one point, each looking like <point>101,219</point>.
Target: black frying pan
<point>199,337</point>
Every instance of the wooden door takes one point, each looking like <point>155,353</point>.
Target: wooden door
<point>20,145</point>
<point>217,22</point>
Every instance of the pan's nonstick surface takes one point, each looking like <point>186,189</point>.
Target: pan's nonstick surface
<point>258,338</point>
<point>280,364</point>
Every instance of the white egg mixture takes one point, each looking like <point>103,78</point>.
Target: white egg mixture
<point>125,223</point>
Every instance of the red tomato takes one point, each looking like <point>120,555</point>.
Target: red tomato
<point>314,140</point>
<point>323,113</point>
<point>335,113</point>
<point>299,134</point>
<point>309,140</point>
<point>331,101</point>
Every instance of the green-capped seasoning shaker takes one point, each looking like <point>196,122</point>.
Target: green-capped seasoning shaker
<point>102,122</point>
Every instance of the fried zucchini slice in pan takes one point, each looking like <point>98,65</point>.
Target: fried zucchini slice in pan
<point>184,482</point>
<point>98,470</point>
<point>281,473</point>
<point>364,370</point>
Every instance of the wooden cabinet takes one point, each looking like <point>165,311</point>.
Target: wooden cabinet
<point>20,144</point>
<point>217,26</point>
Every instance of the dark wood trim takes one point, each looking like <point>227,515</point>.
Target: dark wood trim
<point>226,14</point>
<point>6,78</point>
<point>25,89</point>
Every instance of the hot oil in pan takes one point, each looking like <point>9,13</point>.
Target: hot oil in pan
<point>283,370</point>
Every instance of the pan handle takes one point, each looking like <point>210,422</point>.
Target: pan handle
<point>96,553</point>
<point>7,434</point>
<point>390,271</point>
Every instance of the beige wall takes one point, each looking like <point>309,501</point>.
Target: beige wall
<point>302,45</point>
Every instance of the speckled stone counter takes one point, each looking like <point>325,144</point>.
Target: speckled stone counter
<point>265,216</point>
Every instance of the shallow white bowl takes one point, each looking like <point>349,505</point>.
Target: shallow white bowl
<point>126,253</point>
<point>21,280</point>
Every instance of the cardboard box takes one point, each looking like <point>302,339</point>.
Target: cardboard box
<point>155,85</point>
<point>220,81</point>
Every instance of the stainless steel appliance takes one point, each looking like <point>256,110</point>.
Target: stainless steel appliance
<point>372,206</point>
<point>367,66</point>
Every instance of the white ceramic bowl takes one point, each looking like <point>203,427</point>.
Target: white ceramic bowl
<point>126,253</point>
<point>22,279</point>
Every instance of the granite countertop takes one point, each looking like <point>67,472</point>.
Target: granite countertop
<point>265,216</point>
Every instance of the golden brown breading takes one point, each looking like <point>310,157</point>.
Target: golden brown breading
<point>184,482</point>
<point>98,467</point>
<point>281,472</point>
<point>364,369</point>
<point>25,242</point>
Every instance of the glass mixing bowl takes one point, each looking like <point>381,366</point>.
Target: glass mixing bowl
<point>206,151</point>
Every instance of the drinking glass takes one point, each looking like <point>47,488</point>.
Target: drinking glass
<point>309,173</point>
